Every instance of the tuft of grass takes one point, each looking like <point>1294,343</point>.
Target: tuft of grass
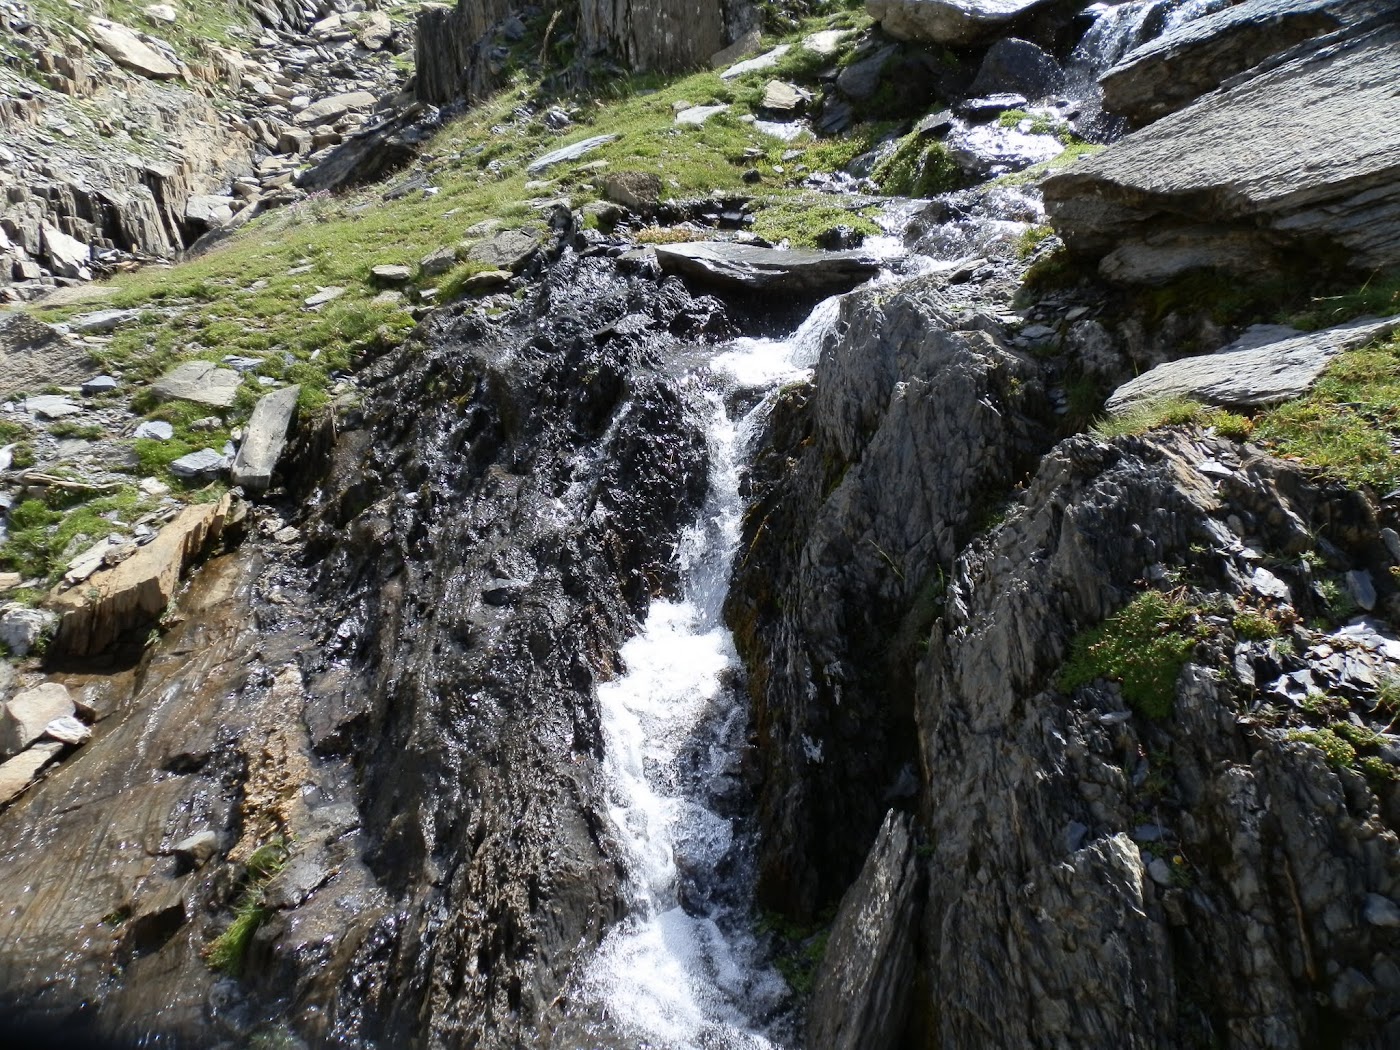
<point>802,221</point>
<point>1255,626</point>
<point>1143,647</point>
<point>228,952</point>
<point>1337,751</point>
<point>1032,239</point>
<point>919,168</point>
<point>1152,415</point>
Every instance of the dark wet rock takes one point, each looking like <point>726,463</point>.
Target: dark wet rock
<point>862,992</point>
<point>1259,375</point>
<point>935,125</point>
<point>1197,56</point>
<point>958,22</point>
<point>747,267</point>
<point>264,438</point>
<point>1319,176</point>
<point>985,107</point>
<point>202,382</point>
<point>1018,67</point>
<point>833,593</point>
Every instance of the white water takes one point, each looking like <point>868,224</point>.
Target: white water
<point>685,971</point>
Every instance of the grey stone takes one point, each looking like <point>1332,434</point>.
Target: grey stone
<point>156,429</point>
<point>1381,911</point>
<point>782,97</point>
<point>67,256</point>
<point>375,31</point>
<point>201,382</point>
<point>958,22</point>
<point>323,296</point>
<point>438,262</point>
<point>99,385</point>
<point>101,322</point>
<point>935,125</point>
<point>862,78</point>
<point>767,60</point>
<point>68,730</point>
<point>1318,176</point>
<point>198,849</point>
<point>744,266</point>
<point>51,406</point>
<point>21,627</point>
<point>508,250</point>
<point>1267,585</point>
<point>749,41</point>
<point>825,43</point>
<point>204,464</point>
<point>573,151</point>
<point>638,190</point>
<point>125,48</point>
<point>696,115</point>
<point>389,273</point>
<point>330,109</point>
<point>264,439</point>
<point>1019,67</point>
<point>1363,590</point>
<point>1196,56</point>
<point>209,211</point>
<point>1264,375</point>
<point>17,773</point>
<point>25,715</point>
<point>1160,871</point>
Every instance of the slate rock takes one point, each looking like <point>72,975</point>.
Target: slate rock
<point>21,627</point>
<point>744,266</point>
<point>767,60</point>
<point>18,773</point>
<point>202,382</point>
<point>25,715</point>
<point>205,464</point>
<point>697,115</point>
<point>68,730</point>
<point>264,439</point>
<point>128,50</point>
<point>99,385</point>
<point>638,190</point>
<point>508,250</point>
<point>101,322</point>
<point>957,22</point>
<point>330,109</point>
<point>155,429</point>
<point>572,151</point>
<point>51,406</point>
<point>67,256</point>
<point>391,274</point>
<point>1014,66</point>
<point>198,849</point>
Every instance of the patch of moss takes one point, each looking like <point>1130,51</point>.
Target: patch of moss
<point>1337,751</point>
<point>919,167</point>
<point>803,221</point>
<point>1143,647</point>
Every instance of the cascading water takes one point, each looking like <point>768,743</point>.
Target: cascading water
<point>685,969</point>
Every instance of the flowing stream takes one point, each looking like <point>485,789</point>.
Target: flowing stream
<point>685,970</point>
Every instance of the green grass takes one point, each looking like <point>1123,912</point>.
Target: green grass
<point>802,221</point>
<point>1255,626</point>
<point>41,530</point>
<point>1151,415</point>
<point>228,952</point>
<point>919,168</point>
<point>1143,647</point>
<point>1349,424</point>
<point>1337,751</point>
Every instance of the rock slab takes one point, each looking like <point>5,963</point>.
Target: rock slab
<point>265,439</point>
<point>202,382</point>
<point>24,717</point>
<point>128,50</point>
<point>762,269</point>
<point>957,22</point>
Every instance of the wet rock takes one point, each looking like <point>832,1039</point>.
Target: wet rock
<point>862,990</point>
<point>68,730</point>
<point>1318,177</point>
<point>1019,67</point>
<point>25,716</point>
<point>124,47</point>
<point>958,22</point>
<point>744,266</point>
<point>985,107</point>
<point>639,191</point>
<point>198,849</point>
<point>935,125</point>
<point>205,465</point>
<point>129,597</point>
<point>202,382</point>
<point>264,439</point>
<point>18,773</point>
<point>1265,375</point>
<point>1199,54</point>
<point>572,151</point>
<point>508,250</point>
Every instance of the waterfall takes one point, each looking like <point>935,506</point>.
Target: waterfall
<point>685,970</point>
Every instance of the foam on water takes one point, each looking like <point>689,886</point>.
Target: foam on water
<point>684,970</point>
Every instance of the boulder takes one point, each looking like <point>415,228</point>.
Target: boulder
<point>24,716</point>
<point>130,597</point>
<point>508,250</point>
<point>128,50</point>
<point>638,190</point>
<point>375,31</point>
<point>21,627</point>
<point>67,256</point>
<point>204,465</point>
<point>573,151</point>
<point>202,382</point>
<point>1014,66</point>
<point>330,109</point>
<point>1195,57</point>
<point>767,269</point>
<point>264,439</point>
<point>209,211</point>
<point>17,773</point>
<point>1251,377</point>
<point>863,984</point>
<point>783,98</point>
<point>961,23</point>
<point>1304,157</point>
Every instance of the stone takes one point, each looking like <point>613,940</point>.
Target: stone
<point>88,562</point>
<point>391,273</point>
<point>101,322</point>
<point>935,125</point>
<point>322,297</point>
<point>639,191</point>
<point>1197,55</point>
<point>863,77</point>
<point>573,151</point>
<point>486,281</point>
<point>264,439</point>
<point>67,256</point>
<point>124,600</point>
<point>293,140</point>
<point>1362,588</point>
<point>155,429</point>
<point>1263,375</point>
<point>508,250</point>
<point>68,730</point>
<point>198,849</point>
<point>438,262</point>
<point>1381,911</point>
<point>25,715</point>
<point>18,773</point>
<point>99,385</point>
<point>744,266</point>
<point>1317,178</point>
<point>124,47</point>
<point>1018,67</point>
<point>697,115</point>
<point>958,22</point>
<point>767,60</point>
<point>741,47</point>
<point>202,382</point>
<point>825,43</point>
<point>330,109</point>
<point>206,464</point>
<point>863,984</point>
<point>51,406</point>
<point>663,36</point>
<point>9,581</point>
<point>21,627</point>
<point>209,211</point>
<point>375,31</point>
<point>784,98</point>
<point>161,13</point>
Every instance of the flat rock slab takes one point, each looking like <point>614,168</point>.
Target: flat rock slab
<point>50,406</point>
<point>323,296</point>
<point>767,60</point>
<point>17,773</point>
<point>573,151</point>
<point>1302,158</point>
<point>202,382</point>
<point>391,273</point>
<point>206,464</point>
<point>333,107</point>
<point>101,322</point>
<point>958,22</point>
<point>265,438</point>
<point>766,269</point>
<point>508,250</point>
<point>1253,377</point>
<point>697,115</point>
<point>1182,64</point>
<point>24,717</point>
<point>128,50</point>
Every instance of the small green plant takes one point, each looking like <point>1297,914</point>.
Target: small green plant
<point>1378,770</point>
<point>228,952</point>
<point>919,168</point>
<point>1255,626</point>
<point>1143,647</point>
<point>1032,239</point>
<point>67,428</point>
<point>1151,415</point>
<point>1340,604</point>
<point>1337,751</point>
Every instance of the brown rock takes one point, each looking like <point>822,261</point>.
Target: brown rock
<point>18,772</point>
<point>637,190</point>
<point>23,718</point>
